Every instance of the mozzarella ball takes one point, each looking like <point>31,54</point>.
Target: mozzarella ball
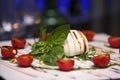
<point>75,44</point>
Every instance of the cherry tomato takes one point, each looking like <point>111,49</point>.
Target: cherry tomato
<point>89,34</point>
<point>18,43</point>
<point>46,36</point>
<point>114,42</point>
<point>8,52</point>
<point>101,60</point>
<point>65,64</point>
<point>24,60</point>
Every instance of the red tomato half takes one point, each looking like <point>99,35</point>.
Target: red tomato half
<point>25,60</point>
<point>18,43</point>
<point>65,64</point>
<point>114,42</point>
<point>101,60</point>
<point>8,52</point>
<point>89,34</point>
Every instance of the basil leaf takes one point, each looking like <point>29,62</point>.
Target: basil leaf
<point>39,48</point>
<point>58,51</point>
<point>58,36</point>
<point>48,59</point>
<point>42,33</point>
<point>55,53</point>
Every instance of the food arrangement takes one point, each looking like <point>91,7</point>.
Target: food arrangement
<point>62,47</point>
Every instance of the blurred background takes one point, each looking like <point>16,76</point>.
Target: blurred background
<point>23,18</point>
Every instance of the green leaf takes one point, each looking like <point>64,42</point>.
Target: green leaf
<point>42,33</point>
<point>39,48</point>
<point>59,35</point>
<point>58,51</point>
<point>49,59</point>
<point>55,53</point>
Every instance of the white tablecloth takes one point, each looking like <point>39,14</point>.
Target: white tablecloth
<point>10,71</point>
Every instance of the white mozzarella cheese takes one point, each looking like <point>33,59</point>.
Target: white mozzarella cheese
<point>75,44</point>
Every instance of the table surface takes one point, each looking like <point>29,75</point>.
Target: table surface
<point>10,71</point>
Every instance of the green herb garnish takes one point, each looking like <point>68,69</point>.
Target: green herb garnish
<point>52,49</point>
<point>87,55</point>
<point>91,53</point>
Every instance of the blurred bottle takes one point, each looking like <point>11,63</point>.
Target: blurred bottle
<point>52,19</point>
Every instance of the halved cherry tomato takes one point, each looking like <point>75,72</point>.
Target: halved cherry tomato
<point>114,41</point>
<point>24,60</point>
<point>89,34</point>
<point>46,36</point>
<point>18,43</point>
<point>101,60</point>
<point>65,64</point>
<point>8,52</point>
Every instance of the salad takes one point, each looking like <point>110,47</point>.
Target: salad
<point>50,50</point>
